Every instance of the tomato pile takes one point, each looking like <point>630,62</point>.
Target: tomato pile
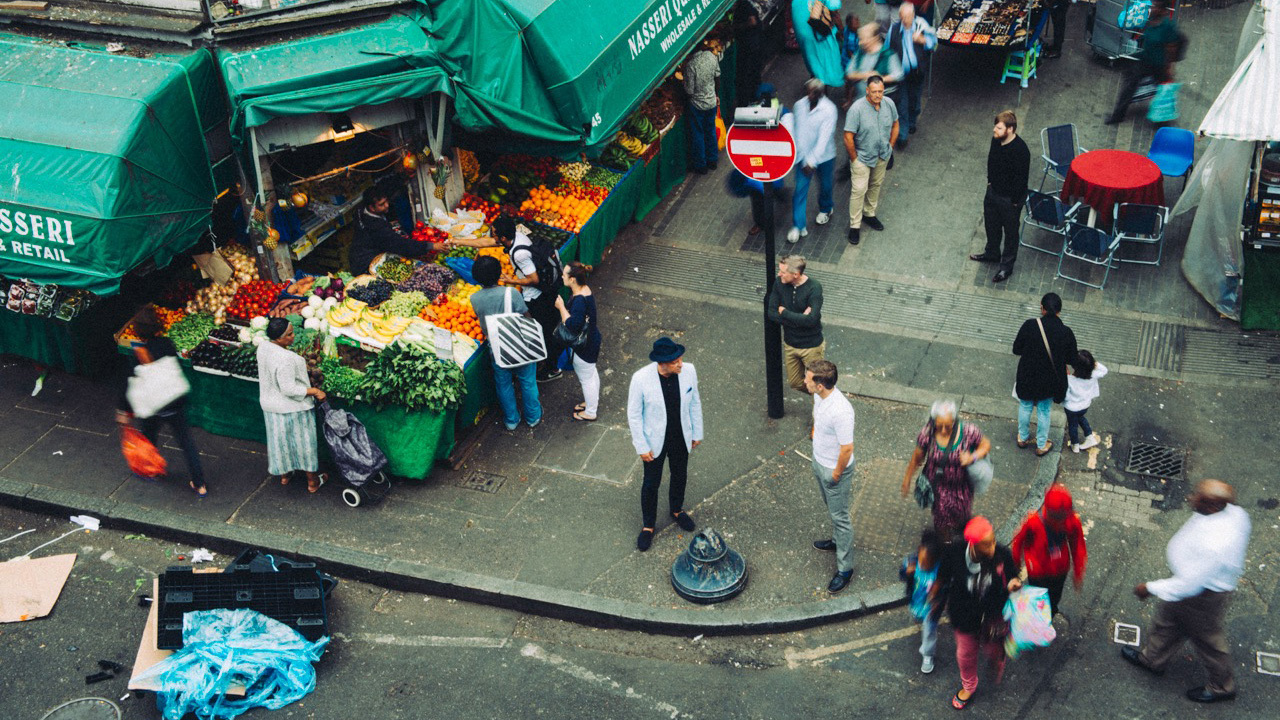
<point>425,233</point>
<point>471,202</point>
<point>254,298</point>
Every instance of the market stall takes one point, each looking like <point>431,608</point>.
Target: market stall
<point>1004,24</point>
<point>106,171</point>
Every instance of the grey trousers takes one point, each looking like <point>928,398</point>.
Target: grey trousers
<point>1198,619</point>
<point>837,501</point>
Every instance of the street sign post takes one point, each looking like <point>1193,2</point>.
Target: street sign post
<point>766,155</point>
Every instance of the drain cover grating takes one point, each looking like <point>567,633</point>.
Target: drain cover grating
<point>1156,461</point>
<point>483,481</point>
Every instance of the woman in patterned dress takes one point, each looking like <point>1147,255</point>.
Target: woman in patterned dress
<point>285,393</point>
<point>945,455</point>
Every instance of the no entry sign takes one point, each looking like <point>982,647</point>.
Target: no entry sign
<point>761,154</point>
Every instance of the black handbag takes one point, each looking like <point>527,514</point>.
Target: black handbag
<point>570,339</point>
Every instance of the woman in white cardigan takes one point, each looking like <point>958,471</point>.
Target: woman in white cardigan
<point>286,395</point>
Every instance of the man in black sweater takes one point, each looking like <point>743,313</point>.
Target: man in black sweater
<point>795,303</point>
<point>1008,167</point>
<point>374,234</point>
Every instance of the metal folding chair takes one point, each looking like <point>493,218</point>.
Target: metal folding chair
<point>1141,224</point>
<point>1059,148</point>
<point>1091,246</point>
<point>1050,214</point>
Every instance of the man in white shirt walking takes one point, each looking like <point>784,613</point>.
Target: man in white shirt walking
<point>833,463</point>
<point>1207,559</point>
<point>814,118</point>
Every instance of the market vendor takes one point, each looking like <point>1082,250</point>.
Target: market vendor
<point>374,234</point>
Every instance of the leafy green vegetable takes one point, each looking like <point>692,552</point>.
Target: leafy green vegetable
<point>410,376</point>
<point>339,379</point>
<point>190,331</point>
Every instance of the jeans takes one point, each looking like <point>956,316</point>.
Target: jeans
<point>526,377</point>
<point>177,422</point>
<point>677,456</point>
<point>1001,215</point>
<point>908,97</point>
<point>800,201</point>
<point>967,648</point>
<point>836,500</point>
<point>1076,419</point>
<point>1042,420</point>
<point>589,379</point>
<point>702,134</point>
<point>928,636</point>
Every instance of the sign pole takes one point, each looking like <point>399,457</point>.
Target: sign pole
<point>772,330</point>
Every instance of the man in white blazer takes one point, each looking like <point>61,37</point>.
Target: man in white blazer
<point>665,387</point>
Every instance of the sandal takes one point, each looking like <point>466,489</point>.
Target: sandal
<point>958,703</point>
<point>580,407</point>
<point>321,479</point>
<point>1024,444</point>
<point>201,491</point>
<point>284,479</point>
<point>1041,452</point>
<point>579,416</point>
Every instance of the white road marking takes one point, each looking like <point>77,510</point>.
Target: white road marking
<point>423,640</point>
<point>577,671</point>
<point>795,658</point>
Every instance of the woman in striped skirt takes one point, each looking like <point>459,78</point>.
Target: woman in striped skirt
<point>286,396</point>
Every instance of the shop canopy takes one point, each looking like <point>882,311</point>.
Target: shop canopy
<point>104,162</point>
<point>1248,108</point>
<point>559,71</point>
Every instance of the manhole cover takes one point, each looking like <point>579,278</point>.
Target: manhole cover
<point>1156,461</point>
<point>85,709</point>
<point>483,481</point>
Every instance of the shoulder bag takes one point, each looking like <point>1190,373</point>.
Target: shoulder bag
<point>980,472</point>
<point>569,338</point>
<point>820,19</point>
<point>155,384</point>
<point>515,339</point>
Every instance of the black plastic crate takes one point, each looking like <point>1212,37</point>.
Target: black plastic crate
<point>257,560</point>
<point>292,595</point>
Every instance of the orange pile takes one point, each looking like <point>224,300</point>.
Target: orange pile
<point>455,316</point>
<point>166,317</point>
<point>564,212</point>
<point>502,257</point>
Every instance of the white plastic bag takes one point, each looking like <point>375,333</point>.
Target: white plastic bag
<point>1030,620</point>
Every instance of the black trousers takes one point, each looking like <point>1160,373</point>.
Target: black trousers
<point>543,309</point>
<point>176,418</point>
<point>1054,586</point>
<point>1134,72</point>
<point>1001,216</point>
<point>677,456</point>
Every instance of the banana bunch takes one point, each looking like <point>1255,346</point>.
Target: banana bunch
<point>381,327</point>
<point>346,313</point>
<point>633,146</point>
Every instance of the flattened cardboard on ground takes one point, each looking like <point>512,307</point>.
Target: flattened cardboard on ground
<point>149,654</point>
<point>29,588</point>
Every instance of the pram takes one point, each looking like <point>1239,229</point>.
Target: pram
<point>360,462</point>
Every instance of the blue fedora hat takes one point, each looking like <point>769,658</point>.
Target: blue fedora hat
<point>665,350</point>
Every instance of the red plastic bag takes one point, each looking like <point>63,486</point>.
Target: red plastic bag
<point>721,132</point>
<point>143,458</point>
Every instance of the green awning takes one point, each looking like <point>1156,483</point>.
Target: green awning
<point>104,163</point>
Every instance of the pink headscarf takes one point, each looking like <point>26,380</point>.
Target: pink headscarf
<point>977,529</point>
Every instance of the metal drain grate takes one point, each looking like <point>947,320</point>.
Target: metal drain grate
<point>483,481</point>
<point>1156,461</point>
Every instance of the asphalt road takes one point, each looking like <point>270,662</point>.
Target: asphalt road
<point>399,655</point>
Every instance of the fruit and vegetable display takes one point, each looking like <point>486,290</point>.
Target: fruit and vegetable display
<point>412,377</point>
<point>395,270</point>
<point>405,304</point>
<point>190,331</point>
<point>429,279</point>
<point>254,298</point>
<point>503,258</point>
<point>456,316</point>
<point>425,233</point>
<point>373,292</point>
<point>491,210</point>
<point>215,298</point>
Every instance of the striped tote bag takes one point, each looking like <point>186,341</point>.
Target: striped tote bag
<point>514,338</point>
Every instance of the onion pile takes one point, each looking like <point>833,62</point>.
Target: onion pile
<point>215,298</point>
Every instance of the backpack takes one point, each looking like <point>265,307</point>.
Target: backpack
<point>546,262</point>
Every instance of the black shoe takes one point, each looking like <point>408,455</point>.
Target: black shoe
<point>548,377</point>
<point>700,171</point>
<point>855,236</point>
<point>684,521</point>
<point>979,257</point>
<point>712,167</point>
<point>828,545</point>
<point>913,130</point>
<point>1113,120</point>
<point>1051,53</point>
<point>644,540</point>
<point>1001,276</point>
<point>902,143</point>
<point>872,222</point>
<point>839,581</point>
<point>1133,657</point>
<point>1205,695</point>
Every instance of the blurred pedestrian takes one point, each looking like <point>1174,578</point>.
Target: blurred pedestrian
<point>1155,58</point>
<point>285,393</point>
<point>920,571</point>
<point>1206,556</point>
<point>944,450</point>
<point>819,40</point>
<point>833,464</point>
<point>870,130</point>
<point>974,581</point>
<point>579,315</point>
<point>664,413</point>
<point>1050,543</point>
<point>1082,389</point>
<point>814,117</point>
<point>873,56</point>
<point>1044,346</point>
<point>912,39</point>
<point>700,75</point>
<point>849,38</point>
<point>795,303</point>
<point>748,34</point>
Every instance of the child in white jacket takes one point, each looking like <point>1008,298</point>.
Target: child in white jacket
<point>1082,388</point>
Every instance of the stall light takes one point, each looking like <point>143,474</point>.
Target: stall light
<point>343,129</point>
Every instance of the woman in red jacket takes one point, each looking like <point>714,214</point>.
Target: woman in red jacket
<point>1051,542</point>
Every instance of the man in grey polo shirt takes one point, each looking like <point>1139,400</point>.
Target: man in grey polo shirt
<point>833,463</point>
<point>870,130</point>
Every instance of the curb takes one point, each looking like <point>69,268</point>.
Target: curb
<point>411,576</point>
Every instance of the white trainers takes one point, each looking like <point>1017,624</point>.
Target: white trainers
<point>926,666</point>
<point>1090,441</point>
<point>823,218</point>
<point>1075,447</point>
<point>793,235</point>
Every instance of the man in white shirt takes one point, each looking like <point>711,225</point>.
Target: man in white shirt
<point>1207,559</point>
<point>833,463</point>
<point>814,118</point>
<point>541,305</point>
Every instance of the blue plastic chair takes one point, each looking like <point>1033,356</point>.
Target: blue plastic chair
<point>1174,150</point>
<point>1088,245</point>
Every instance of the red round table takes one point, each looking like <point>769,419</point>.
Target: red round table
<point>1102,179</point>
